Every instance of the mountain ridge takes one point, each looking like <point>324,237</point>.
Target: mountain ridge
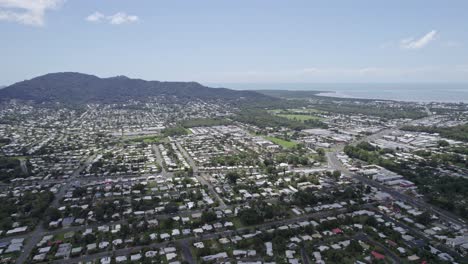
<point>74,87</point>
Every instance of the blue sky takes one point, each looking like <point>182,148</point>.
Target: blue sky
<point>227,41</point>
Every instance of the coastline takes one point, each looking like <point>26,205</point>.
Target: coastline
<point>339,94</point>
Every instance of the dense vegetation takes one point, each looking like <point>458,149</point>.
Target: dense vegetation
<point>272,103</point>
<point>450,193</point>
<point>70,87</point>
<point>259,212</point>
<point>308,197</point>
<point>263,119</point>
<point>372,110</point>
<point>456,132</point>
<point>289,94</point>
<point>202,122</point>
<point>27,209</point>
<point>242,158</point>
<point>145,139</point>
<point>443,157</point>
<point>345,105</point>
<point>174,131</point>
<point>10,168</point>
<point>4,141</point>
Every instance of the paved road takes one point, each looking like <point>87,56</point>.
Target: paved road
<point>387,131</point>
<point>159,158</point>
<point>186,252</point>
<point>36,236</point>
<point>199,176</point>
<point>24,168</point>
<point>418,233</point>
<point>444,215</point>
<point>87,179</point>
<point>189,240</point>
<point>426,109</point>
<point>365,237</point>
<point>62,230</point>
<point>335,164</point>
<point>305,258</point>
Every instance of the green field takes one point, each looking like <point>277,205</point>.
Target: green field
<point>281,142</point>
<point>275,111</point>
<point>307,110</point>
<point>297,110</point>
<point>301,118</point>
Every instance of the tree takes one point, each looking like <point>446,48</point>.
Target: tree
<point>424,218</point>
<point>232,177</point>
<point>171,208</point>
<point>321,152</point>
<point>368,189</point>
<point>208,216</point>
<point>250,216</point>
<point>125,230</point>
<point>305,197</point>
<point>89,238</point>
<point>443,143</point>
<point>354,247</point>
<point>167,223</point>
<point>336,174</point>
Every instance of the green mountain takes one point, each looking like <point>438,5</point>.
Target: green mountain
<point>71,87</point>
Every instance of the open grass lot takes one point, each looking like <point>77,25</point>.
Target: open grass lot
<point>275,111</point>
<point>307,110</point>
<point>297,110</point>
<point>301,118</point>
<point>281,142</point>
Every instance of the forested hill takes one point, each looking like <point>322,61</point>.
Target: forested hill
<point>289,94</point>
<point>70,87</point>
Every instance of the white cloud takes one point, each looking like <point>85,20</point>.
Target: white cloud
<point>27,12</point>
<point>412,43</point>
<point>95,17</point>
<point>116,19</point>
<point>121,18</point>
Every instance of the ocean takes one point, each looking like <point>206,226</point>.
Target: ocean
<point>412,92</point>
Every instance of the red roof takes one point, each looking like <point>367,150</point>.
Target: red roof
<point>390,242</point>
<point>377,255</point>
<point>57,242</point>
<point>337,231</point>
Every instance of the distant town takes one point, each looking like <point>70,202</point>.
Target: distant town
<point>285,178</point>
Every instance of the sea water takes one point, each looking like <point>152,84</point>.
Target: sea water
<point>414,92</point>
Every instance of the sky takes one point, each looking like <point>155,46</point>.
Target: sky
<point>242,41</point>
